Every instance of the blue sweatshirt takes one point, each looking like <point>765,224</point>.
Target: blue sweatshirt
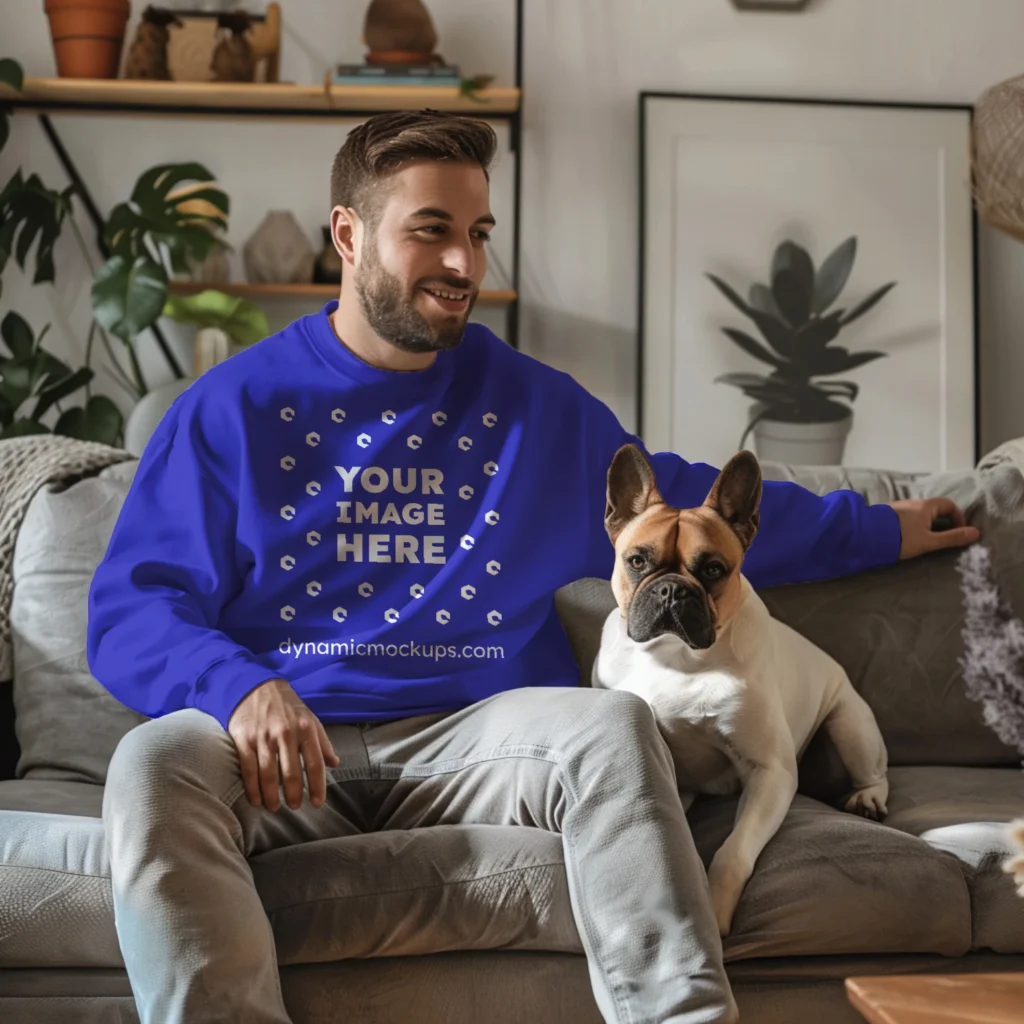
<point>390,543</point>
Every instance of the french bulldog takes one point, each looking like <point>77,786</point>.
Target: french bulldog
<point>737,695</point>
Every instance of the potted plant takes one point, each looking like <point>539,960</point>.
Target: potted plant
<point>797,417</point>
<point>164,228</point>
<point>225,323</point>
<point>88,36</point>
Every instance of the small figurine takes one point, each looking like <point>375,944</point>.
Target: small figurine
<point>147,57</point>
<point>233,59</point>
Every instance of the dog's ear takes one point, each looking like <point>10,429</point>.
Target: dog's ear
<point>736,496</point>
<point>631,489</point>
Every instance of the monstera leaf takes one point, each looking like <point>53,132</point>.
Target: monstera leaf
<point>30,211</point>
<point>10,76</point>
<point>161,212</point>
<point>127,296</point>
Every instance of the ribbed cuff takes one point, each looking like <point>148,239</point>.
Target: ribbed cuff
<point>883,537</point>
<point>225,684</point>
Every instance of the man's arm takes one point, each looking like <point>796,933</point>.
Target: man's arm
<point>802,536</point>
<point>156,596</point>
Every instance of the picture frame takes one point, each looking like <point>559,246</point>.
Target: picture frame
<point>738,193</point>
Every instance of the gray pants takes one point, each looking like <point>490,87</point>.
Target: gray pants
<point>587,764</point>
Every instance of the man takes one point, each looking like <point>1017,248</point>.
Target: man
<point>348,538</point>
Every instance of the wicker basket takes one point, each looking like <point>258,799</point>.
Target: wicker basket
<point>999,157</point>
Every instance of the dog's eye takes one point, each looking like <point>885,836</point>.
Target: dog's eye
<point>714,571</point>
<point>637,561</point>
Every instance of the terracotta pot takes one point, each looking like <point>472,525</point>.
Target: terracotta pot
<point>88,36</point>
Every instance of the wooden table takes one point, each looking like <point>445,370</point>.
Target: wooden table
<point>939,998</point>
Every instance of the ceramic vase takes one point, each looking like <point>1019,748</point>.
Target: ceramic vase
<point>279,252</point>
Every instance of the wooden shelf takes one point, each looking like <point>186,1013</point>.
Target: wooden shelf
<point>277,99</point>
<point>256,292</point>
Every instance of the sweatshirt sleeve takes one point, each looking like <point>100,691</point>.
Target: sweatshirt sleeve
<point>170,566</point>
<point>802,536</point>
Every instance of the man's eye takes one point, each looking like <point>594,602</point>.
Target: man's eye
<point>484,236</point>
<point>637,561</point>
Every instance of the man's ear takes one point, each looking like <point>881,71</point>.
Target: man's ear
<point>631,489</point>
<point>736,496</point>
<point>346,233</point>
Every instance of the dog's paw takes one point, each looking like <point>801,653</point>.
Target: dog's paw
<point>870,801</point>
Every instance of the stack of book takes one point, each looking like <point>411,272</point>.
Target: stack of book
<point>396,74</point>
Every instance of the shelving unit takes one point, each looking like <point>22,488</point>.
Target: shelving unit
<point>255,292</point>
<point>244,101</point>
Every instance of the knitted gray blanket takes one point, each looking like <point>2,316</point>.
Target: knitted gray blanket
<point>26,464</point>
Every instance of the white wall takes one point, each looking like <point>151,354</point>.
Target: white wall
<point>585,62</point>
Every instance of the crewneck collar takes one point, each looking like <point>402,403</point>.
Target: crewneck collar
<point>340,358</point>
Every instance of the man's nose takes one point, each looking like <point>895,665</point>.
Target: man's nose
<point>460,259</point>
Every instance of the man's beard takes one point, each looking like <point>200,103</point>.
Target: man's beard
<point>394,316</point>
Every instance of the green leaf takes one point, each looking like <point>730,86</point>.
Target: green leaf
<point>21,428</point>
<point>61,388</point>
<point>100,421</point>
<point>751,346</point>
<point>816,334</point>
<point>16,382</point>
<point>792,298</point>
<point>833,274</point>
<point>729,293</point>
<point>243,322</point>
<point>11,74</point>
<point>17,335</point>
<point>794,258</point>
<point>838,360</point>
<point>5,129</point>
<point>28,209</point>
<point>861,308</point>
<point>127,298</point>
<point>763,301</point>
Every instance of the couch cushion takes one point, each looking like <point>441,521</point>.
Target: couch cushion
<point>963,812</point>
<point>830,883</point>
<point>55,903</point>
<point>67,724</point>
<point>384,894</point>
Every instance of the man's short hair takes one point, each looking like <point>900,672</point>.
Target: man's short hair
<point>379,146</point>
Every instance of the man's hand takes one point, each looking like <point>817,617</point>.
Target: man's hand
<point>271,727</point>
<point>916,518</point>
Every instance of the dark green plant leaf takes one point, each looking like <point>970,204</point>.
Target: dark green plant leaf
<point>833,274</point>
<point>862,307</point>
<point>59,388</point>
<point>11,74</point>
<point>729,293</point>
<point>16,382</point>
<point>6,412</point>
<point>5,128</point>
<point>827,361</point>
<point>17,335</point>
<point>792,298</point>
<point>127,298</point>
<point>21,428</point>
<point>751,346</point>
<point>797,260</point>
<point>816,334</point>
<point>100,421</point>
<point>763,301</point>
<point>29,210</point>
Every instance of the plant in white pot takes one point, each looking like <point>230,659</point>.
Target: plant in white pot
<point>225,323</point>
<point>797,418</point>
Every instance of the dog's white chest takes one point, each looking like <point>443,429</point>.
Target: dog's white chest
<point>723,711</point>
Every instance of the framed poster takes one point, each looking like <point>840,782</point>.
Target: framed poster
<point>808,282</point>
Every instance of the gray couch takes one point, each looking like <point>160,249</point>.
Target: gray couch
<point>473,924</point>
